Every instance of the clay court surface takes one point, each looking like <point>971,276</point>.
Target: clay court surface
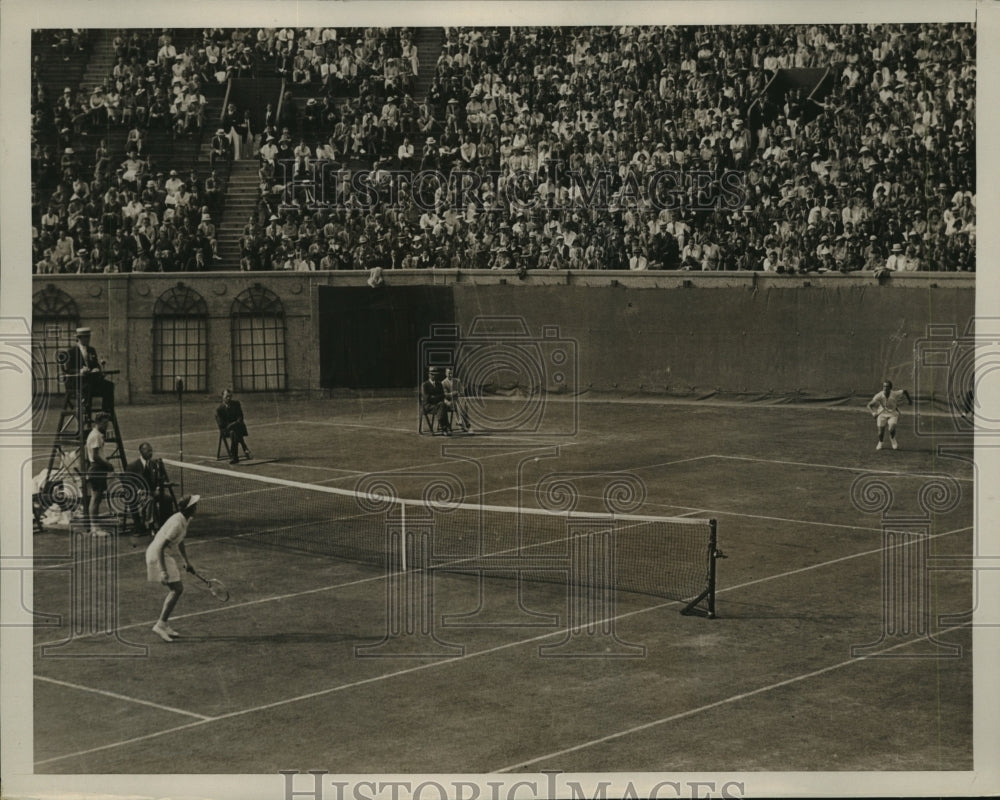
<point>300,669</point>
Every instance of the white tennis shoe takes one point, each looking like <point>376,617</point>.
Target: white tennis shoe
<point>878,446</point>
<point>162,631</point>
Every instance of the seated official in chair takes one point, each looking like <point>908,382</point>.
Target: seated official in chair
<point>453,395</point>
<point>433,402</point>
<point>229,418</point>
<point>155,501</point>
<point>85,376</point>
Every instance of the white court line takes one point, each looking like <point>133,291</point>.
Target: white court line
<point>668,463</point>
<point>717,704</point>
<point>491,435</point>
<point>715,511</point>
<point>846,469</point>
<point>395,471</point>
<point>781,519</point>
<point>200,457</point>
<point>324,469</point>
<point>479,653</point>
<point>452,461</point>
<point>227,607</point>
<point>335,424</point>
<point>201,433</point>
<point>117,696</point>
<point>611,473</point>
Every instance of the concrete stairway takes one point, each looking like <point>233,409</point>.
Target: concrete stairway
<point>102,59</point>
<point>240,204</point>
<point>428,42</point>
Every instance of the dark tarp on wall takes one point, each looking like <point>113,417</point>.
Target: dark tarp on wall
<point>371,338</point>
<point>779,345</point>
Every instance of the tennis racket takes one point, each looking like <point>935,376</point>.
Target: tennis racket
<point>213,585</point>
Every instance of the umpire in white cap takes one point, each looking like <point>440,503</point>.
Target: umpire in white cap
<point>85,374</point>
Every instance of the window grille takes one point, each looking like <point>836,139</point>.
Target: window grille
<point>180,340</point>
<point>258,341</point>
<point>54,321</point>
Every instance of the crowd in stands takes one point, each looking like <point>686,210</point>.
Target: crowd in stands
<point>98,210</point>
<point>597,148</point>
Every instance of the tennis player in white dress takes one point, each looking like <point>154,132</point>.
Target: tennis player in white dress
<point>161,566</point>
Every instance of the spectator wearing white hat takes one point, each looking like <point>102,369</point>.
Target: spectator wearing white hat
<point>85,373</point>
<point>896,260</point>
<point>221,148</point>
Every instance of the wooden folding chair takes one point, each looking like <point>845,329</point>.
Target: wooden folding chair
<point>425,420</point>
<point>427,423</point>
<point>224,448</point>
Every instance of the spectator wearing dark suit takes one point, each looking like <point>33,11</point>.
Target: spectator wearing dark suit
<point>154,504</point>
<point>434,401</point>
<point>229,418</point>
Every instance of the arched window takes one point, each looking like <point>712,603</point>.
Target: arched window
<point>180,340</point>
<point>54,321</point>
<point>258,328</point>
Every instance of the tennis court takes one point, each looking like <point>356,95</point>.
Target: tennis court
<point>833,551</point>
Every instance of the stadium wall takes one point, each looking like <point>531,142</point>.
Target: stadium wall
<point>824,338</point>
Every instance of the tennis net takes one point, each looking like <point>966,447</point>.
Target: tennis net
<point>670,557</point>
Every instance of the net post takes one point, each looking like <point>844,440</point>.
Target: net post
<point>708,595</point>
<point>713,555</point>
<point>179,388</point>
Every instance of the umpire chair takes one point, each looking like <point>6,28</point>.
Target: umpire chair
<point>75,422</point>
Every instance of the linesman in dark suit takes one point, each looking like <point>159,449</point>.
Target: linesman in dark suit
<point>153,501</point>
<point>434,401</point>
<point>229,418</point>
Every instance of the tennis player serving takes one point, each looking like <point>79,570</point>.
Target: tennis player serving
<point>161,566</point>
<point>884,406</point>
